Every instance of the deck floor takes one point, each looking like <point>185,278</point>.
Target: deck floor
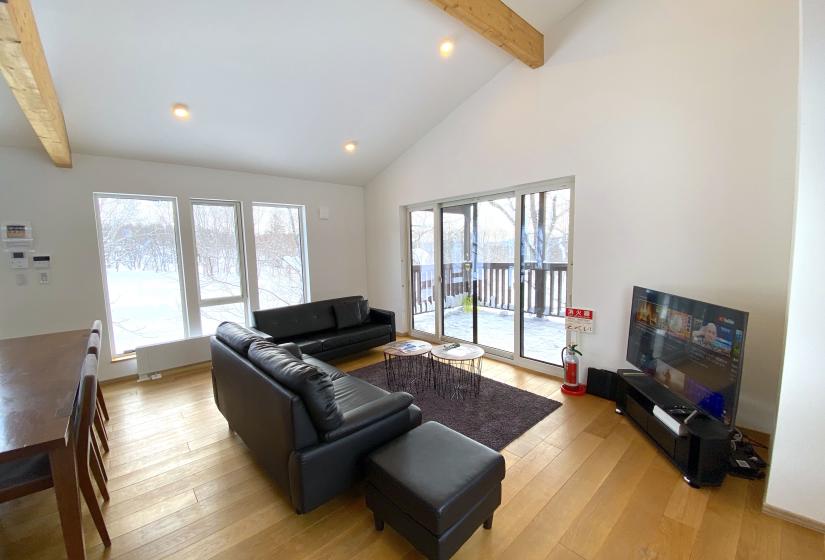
<point>580,484</point>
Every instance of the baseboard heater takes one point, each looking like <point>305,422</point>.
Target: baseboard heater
<point>156,358</point>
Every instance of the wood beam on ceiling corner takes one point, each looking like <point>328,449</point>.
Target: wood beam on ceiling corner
<point>501,26</point>
<point>24,66</point>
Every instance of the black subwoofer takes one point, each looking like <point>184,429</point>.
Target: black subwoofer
<point>601,383</point>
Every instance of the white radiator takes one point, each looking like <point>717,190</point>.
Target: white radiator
<point>168,355</point>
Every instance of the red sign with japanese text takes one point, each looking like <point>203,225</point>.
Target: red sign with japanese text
<point>578,319</point>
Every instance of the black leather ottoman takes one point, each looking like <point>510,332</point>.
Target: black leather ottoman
<point>434,486</point>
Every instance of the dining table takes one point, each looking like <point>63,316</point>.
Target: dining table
<point>39,380</point>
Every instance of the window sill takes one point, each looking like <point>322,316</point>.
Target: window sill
<point>123,357</point>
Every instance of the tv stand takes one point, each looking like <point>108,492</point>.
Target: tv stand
<point>701,454</point>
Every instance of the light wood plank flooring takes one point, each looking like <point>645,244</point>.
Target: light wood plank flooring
<point>581,484</point>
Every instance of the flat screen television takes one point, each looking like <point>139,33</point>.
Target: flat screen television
<point>693,348</point>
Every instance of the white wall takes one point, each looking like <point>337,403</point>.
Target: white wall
<point>797,480</point>
<point>677,120</point>
<point>58,202</point>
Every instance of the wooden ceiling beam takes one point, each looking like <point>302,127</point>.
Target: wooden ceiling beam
<point>23,64</point>
<point>501,26</point>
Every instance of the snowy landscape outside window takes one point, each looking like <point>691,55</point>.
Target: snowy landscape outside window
<point>140,255</point>
<point>279,250</point>
<point>221,267</point>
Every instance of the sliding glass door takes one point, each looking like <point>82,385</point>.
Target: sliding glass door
<point>458,287</point>
<point>494,271</point>
<point>500,278</point>
<point>545,238</point>
<point>477,272</point>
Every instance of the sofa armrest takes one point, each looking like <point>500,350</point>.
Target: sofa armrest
<point>382,316</point>
<point>369,413</point>
<point>262,334</point>
<point>311,483</point>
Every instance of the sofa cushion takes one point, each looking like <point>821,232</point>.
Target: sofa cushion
<point>314,386</point>
<point>236,337</point>
<point>364,308</point>
<point>353,335</point>
<point>351,392</point>
<point>308,345</point>
<point>334,372</point>
<point>347,314</point>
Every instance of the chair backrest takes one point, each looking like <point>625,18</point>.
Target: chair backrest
<point>93,346</point>
<point>97,327</point>
<point>86,406</point>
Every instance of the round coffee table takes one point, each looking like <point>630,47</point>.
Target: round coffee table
<point>408,365</point>
<point>457,371</point>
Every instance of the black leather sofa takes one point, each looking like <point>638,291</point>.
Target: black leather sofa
<point>329,328</point>
<point>309,425</point>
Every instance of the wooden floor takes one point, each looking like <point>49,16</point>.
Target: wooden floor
<point>582,483</point>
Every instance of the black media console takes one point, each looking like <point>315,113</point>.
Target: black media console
<point>701,454</point>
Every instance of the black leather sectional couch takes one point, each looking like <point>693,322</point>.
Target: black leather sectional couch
<point>307,423</point>
<point>330,328</point>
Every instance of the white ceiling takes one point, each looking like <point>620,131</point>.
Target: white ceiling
<point>275,86</point>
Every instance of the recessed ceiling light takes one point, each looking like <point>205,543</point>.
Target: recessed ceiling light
<point>351,146</point>
<point>180,111</point>
<point>446,48</point>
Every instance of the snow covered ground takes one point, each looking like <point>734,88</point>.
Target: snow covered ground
<point>145,306</point>
<point>543,337</point>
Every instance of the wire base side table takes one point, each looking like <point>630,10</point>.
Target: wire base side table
<point>457,372</point>
<point>409,370</point>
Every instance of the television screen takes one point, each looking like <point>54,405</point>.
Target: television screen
<point>693,348</point>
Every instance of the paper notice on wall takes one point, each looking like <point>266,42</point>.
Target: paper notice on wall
<point>578,319</point>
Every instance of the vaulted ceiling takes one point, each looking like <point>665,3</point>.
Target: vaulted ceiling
<point>274,86</point>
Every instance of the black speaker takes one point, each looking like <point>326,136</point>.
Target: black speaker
<point>601,383</point>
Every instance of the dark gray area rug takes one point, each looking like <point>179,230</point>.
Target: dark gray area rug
<point>499,415</point>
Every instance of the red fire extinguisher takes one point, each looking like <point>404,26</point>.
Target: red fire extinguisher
<point>570,360</point>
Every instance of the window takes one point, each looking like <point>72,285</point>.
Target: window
<point>280,255</point>
<point>422,272</point>
<point>220,263</point>
<point>140,257</point>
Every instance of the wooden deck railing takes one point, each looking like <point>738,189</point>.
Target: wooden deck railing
<point>545,286</point>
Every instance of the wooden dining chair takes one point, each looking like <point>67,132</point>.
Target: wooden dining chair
<point>93,347</point>
<point>87,445</point>
<point>97,457</point>
<point>33,474</point>
<point>97,328</point>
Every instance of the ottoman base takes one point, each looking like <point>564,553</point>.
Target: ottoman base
<point>434,547</point>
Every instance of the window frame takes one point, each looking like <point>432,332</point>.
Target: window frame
<point>242,264</point>
<point>302,239</point>
<point>567,182</point>
<point>96,196</point>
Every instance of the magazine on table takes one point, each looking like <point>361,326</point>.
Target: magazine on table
<point>410,346</point>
